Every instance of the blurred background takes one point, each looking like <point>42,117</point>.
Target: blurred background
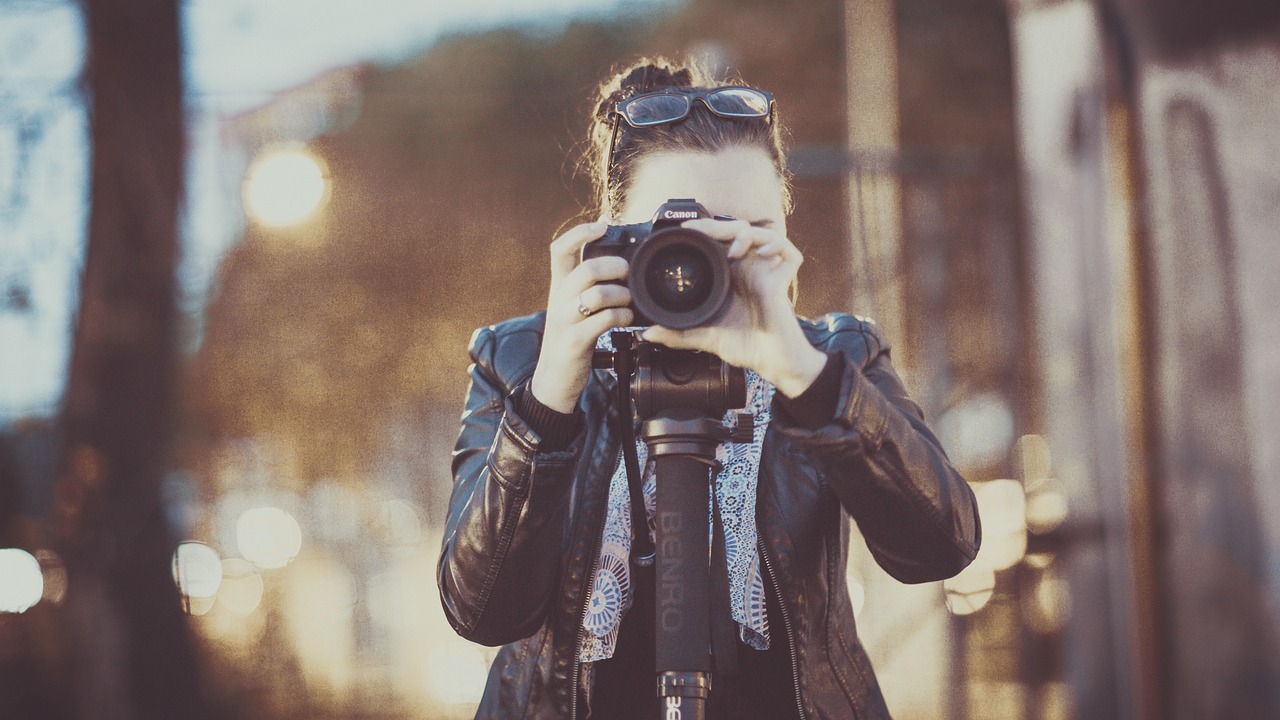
<point>243,245</point>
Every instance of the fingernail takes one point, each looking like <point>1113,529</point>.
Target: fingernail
<point>724,217</point>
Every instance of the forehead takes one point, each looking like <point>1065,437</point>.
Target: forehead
<point>736,181</point>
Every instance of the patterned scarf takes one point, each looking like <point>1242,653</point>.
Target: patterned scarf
<point>735,489</point>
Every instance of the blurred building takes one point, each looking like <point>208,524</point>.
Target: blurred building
<point>1149,154</point>
<point>1131,315</point>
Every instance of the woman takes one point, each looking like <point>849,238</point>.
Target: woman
<point>535,550</point>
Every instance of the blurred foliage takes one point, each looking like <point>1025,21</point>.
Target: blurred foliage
<point>447,188</point>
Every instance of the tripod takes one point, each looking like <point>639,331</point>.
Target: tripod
<point>681,396</point>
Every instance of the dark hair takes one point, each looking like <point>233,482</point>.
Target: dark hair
<point>701,131</point>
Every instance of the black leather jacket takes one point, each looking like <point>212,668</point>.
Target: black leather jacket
<point>524,526</point>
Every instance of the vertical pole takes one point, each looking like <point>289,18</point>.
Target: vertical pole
<point>874,191</point>
<point>683,584</point>
<point>1137,360</point>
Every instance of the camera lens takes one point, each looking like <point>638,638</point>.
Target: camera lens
<point>680,278</point>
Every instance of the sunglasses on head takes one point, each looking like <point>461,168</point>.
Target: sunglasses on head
<point>674,105</point>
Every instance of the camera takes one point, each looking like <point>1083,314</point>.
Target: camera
<point>679,278</point>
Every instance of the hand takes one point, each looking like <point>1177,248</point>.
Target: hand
<point>564,363</point>
<point>759,329</point>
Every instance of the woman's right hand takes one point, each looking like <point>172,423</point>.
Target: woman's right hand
<point>582,305</point>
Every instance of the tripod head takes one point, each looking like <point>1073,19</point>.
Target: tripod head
<point>657,380</point>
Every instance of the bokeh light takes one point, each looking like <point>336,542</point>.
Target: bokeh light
<point>242,587</point>
<point>1037,460</point>
<point>857,597</point>
<point>55,576</point>
<point>285,186</point>
<point>1047,608</point>
<point>398,523</point>
<point>857,589</point>
<point>268,537</point>
<point>21,582</point>
<point>455,672</point>
<point>1046,511</point>
<point>197,569</point>
<point>320,593</point>
<point>978,431</point>
<point>199,605</point>
<point>1002,508</point>
<point>969,592</point>
<point>1055,702</point>
<point>386,593</point>
<point>1047,506</point>
<point>1038,561</point>
<point>235,621</point>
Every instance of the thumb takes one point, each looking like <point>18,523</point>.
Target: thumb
<point>675,339</point>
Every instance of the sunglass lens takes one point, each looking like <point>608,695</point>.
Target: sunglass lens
<point>656,109</point>
<point>739,102</point>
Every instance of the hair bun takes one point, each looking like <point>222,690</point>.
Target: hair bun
<point>647,75</point>
<point>650,77</point>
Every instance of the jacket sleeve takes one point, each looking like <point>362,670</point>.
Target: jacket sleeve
<point>917,514</point>
<point>503,539</point>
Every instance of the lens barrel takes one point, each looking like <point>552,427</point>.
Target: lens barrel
<point>679,278</point>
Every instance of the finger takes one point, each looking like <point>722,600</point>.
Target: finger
<point>601,322</point>
<point>750,238</point>
<point>602,296</point>
<point>593,271</point>
<point>747,269</point>
<point>717,229</point>
<point>780,247</point>
<point>565,249</point>
<point>691,339</point>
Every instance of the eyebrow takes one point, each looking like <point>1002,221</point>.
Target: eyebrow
<point>762,223</point>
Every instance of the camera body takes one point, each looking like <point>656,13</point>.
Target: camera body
<point>679,278</point>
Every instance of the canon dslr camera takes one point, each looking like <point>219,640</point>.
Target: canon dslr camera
<point>679,278</point>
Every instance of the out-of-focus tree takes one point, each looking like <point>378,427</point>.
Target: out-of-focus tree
<point>131,655</point>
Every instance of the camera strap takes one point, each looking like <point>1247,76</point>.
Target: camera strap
<point>724,635</point>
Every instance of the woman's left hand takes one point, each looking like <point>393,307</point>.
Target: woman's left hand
<point>759,329</point>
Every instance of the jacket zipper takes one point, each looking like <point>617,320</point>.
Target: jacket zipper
<point>786,622</point>
<point>586,607</point>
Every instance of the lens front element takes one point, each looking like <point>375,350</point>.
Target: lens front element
<point>679,278</point>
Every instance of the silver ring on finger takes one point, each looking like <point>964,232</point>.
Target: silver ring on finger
<point>582,309</point>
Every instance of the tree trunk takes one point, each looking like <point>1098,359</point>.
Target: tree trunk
<point>132,652</point>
